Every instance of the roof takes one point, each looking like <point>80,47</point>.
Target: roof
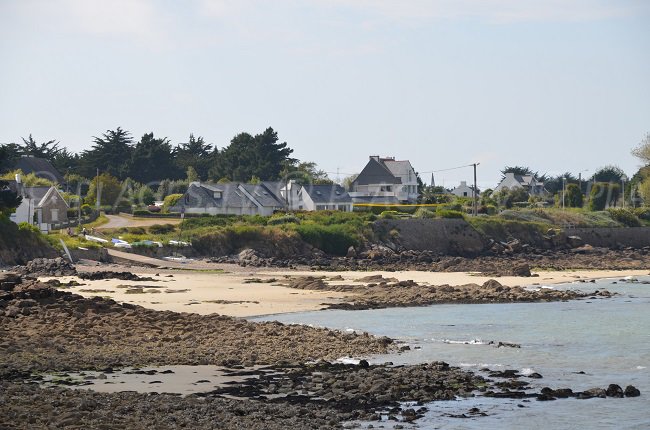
<point>40,167</point>
<point>376,173</point>
<point>392,200</point>
<point>262,193</point>
<point>398,168</point>
<point>36,193</point>
<point>52,191</point>
<point>230,194</point>
<point>327,193</point>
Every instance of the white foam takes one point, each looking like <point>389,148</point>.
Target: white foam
<point>527,371</point>
<point>640,367</point>
<point>462,342</point>
<point>348,360</point>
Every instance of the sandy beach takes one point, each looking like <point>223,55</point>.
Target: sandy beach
<point>247,292</point>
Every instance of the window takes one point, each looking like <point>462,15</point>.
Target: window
<point>464,193</point>
<point>55,215</point>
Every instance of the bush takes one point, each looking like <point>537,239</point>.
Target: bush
<point>490,210</point>
<point>25,226</point>
<point>446,213</point>
<point>170,201</point>
<point>603,194</point>
<point>424,213</point>
<point>333,239</point>
<point>140,212</point>
<point>642,213</point>
<point>72,213</point>
<point>86,209</point>
<point>625,217</point>
<point>162,228</point>
<point>283,219</point>
<point>389,215</point>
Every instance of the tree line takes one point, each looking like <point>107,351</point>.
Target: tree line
<point>151,159</point>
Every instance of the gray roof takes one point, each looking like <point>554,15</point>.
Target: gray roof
<point>392,200</point>
<point>262,193</point>
<point>36,193</point>
<point>40,167</point>
<point>227,195</point>
<point>398,167</point>
<point>376,172</point>
<point>327,193</point>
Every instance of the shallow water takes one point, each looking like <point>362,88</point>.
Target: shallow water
<point>607,339</point>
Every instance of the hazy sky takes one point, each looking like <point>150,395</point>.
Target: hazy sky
<point>556,85</point>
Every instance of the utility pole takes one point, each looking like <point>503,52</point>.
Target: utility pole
<point>98,189</point>
<point>475,191</point>
<point>563,191</point>
<point>623,190</point>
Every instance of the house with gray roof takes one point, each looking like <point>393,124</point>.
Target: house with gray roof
<point>527,182</point>
<point>324,197</point>
<point>232,198</point>
<point>44,207</point>
<point>385,180</point>
<point>464,190</point>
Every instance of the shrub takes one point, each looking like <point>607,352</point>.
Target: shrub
<point>642,213</point>
<point>490,210</point>
<point>162,228</point>
<point>603,194</point>
<point>389,215</point>
<point>72,213</point>
<point>25,226</point>
<point>86,209</point>
<point>625,217</point>
<point>283,219</point>
<point>424,213</point>
<point>140,212</point>
<point>170,201</point>
<point>446,213</point>
<point>333,239</point>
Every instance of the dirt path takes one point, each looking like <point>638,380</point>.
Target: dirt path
<point>119,221</point>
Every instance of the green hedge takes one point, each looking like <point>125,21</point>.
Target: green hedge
<point>333,239</point>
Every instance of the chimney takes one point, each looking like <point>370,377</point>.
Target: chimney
<point>375,157</point>
<point>463,183</point>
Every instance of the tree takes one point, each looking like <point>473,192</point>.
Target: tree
<point>110,190</point>
<point>608,174</point>
<point>507,197</point>
<point>9,200</point>
<point>305,172</point>
<point>518,170</point>
<point>573,197</point>
<point>554,184</point>
<point>195,153</point>
<point>152,160</point>
<point>191,174</point>
<point>644,191</point>
<point>9,155</point>
<point>603,195</point>
<point>29,180</point>
<point>66,161</point>
<point>247,156</point>
<point>111,153</point>
<point>642,151</point>
<point>47,150</point>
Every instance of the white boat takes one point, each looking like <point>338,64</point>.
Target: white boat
<point>95,239</point>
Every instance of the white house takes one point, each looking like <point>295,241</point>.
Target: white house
<point>324,197</point>
<point>385,180</point>
<point>528,182</point>
<point>44,207</point>
<point>463,190</point>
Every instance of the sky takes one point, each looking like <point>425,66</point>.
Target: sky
<point>555,85</point>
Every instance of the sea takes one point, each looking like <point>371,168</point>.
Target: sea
<point>578,344</point>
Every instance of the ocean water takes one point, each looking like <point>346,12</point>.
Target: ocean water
<point>607,339</point>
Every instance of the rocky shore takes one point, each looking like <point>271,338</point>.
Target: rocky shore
<point>517,261</point>
<point>44,330</point>
<point>375,292</point>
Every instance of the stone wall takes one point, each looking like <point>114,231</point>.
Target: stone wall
<point>635,237</point>
<point>444,236</point>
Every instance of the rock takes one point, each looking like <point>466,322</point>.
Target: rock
<point>521,270</point>
<point>632,391</point>
<point>592,392</point>
<point>614,391</point>
<point>575,241</point>
<point>352,253</point>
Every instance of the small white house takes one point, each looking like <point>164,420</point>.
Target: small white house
<point>44,207</point>
<point>464,190</point>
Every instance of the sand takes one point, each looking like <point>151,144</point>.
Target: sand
<point>229,293</point>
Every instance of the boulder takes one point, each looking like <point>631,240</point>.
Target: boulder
<point>632,391</point>
<point>521,270</point>
<point>614,391</point>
